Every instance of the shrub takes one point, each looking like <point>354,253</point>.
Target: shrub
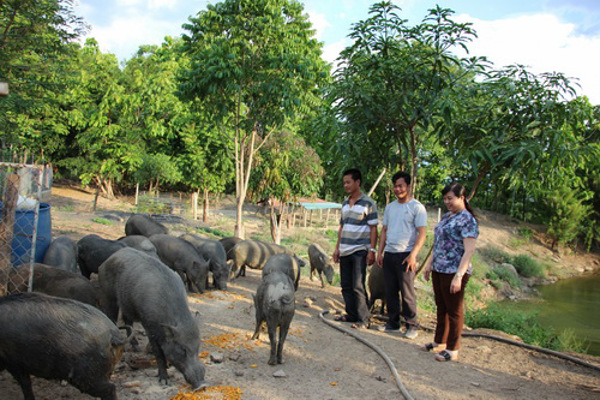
<point>527,266</point>
<point>526,232</point>
<point>494,254</point>
<point>480,267</point>
<point>507,276</point>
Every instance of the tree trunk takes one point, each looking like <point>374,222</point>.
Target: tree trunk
<point>413,154</point>
<point>205,206</point>
<point>478,180</point>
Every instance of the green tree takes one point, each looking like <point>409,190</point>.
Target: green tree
<point>394,81</point>
<point>102,150</point>
<point>285,170</point>
<point>257,65</point>
<point>34,45</point>
<point>568,214</point>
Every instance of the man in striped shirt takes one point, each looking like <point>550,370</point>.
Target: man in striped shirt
<point>355,248</point>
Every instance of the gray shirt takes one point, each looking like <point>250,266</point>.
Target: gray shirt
<point>401,220</point>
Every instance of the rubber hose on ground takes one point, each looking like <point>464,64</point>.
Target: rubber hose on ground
<point>373,346</point>
<point>527,346</point>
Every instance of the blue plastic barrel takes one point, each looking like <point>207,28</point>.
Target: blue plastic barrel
<point>23,234</point>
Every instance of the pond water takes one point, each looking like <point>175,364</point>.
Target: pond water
<point>574,304</point>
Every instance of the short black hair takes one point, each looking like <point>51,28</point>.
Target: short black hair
<point>356,175</point>
<point>403,175</point>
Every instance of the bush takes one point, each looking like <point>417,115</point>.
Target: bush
<point>494,254</point>
<point>526,232</point>
<point>480,267</point>
<point>527,266</point>
<point>507,276</point>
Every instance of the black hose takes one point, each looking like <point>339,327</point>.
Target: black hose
<point>528,347</point>
<point>373,346</point>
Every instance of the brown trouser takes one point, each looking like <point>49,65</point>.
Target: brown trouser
<point>450,315</point>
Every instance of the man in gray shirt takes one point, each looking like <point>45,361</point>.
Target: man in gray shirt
<point>402,236</point>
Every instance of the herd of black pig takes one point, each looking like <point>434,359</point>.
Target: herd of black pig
<point>66,328</point>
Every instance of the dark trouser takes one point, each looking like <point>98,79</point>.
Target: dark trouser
<point>397,278</point>
<point>353,270</point>
<point>450,315</point>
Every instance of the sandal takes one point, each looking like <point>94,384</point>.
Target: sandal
<point>360,325</point>
<point>342,318</point>
<point>446,356</point>
<point>433,347</point>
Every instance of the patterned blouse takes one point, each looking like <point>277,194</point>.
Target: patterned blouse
<point>448,247</point>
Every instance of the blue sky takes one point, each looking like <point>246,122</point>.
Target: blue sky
<point>546,35</point>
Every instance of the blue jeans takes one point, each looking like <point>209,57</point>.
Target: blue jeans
<point>353,271</point>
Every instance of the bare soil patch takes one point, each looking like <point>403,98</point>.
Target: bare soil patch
<point>320,362</point>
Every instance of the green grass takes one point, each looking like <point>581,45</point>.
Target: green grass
<point>516,242</point>
<point>102,221</point>
<point>66,207</point>
<point>508,318</point>
<point>215,232</point>
<point>331,235</point>
<point>528,267</point>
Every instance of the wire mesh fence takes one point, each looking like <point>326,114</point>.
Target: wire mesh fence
<point>25,223</point>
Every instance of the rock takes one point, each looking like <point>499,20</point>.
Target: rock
<point>279,374</point>
<point>307,302</point>
<point>239,373</point>
<point>313,298</point>
<point>217,358</point>
<point>511,268</point>
<point>132,384</point>
<point>484,349</point>
<point>380,378</point>
<point>234,356</point>
<point>476,384</point>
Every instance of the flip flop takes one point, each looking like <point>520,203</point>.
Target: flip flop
<point>446,356</point>
<point>433,347</point>
<point>360,325</point>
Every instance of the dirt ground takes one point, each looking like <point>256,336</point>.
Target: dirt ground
<point>320,362</point>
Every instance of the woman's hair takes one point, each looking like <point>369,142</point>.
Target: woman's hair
<point>458,190</point>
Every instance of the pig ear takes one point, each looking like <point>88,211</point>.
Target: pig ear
<point>169,330</point>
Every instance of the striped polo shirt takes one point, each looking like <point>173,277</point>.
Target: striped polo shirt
<point>356,222</point>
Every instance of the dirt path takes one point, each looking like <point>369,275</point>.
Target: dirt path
<point>321,362</point>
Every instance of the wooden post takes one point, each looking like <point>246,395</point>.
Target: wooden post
<point>376,183</point>
<point>305,216</point>
<point>311,217</point>
<point>327,218</point>
<point>195,206</point>
<point>7,226</point>
<point>96,199</point>
<point>205,206</point>
<point>137,193</point>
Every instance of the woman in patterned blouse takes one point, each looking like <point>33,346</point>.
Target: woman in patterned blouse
<point>450,269</point>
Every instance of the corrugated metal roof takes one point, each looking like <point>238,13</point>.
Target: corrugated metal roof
<point>319,205</point>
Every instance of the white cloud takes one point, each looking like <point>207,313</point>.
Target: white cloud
<point>542,42</point>
<point>319,23</point>
<point>124,35</point>
<point>332,51</point>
